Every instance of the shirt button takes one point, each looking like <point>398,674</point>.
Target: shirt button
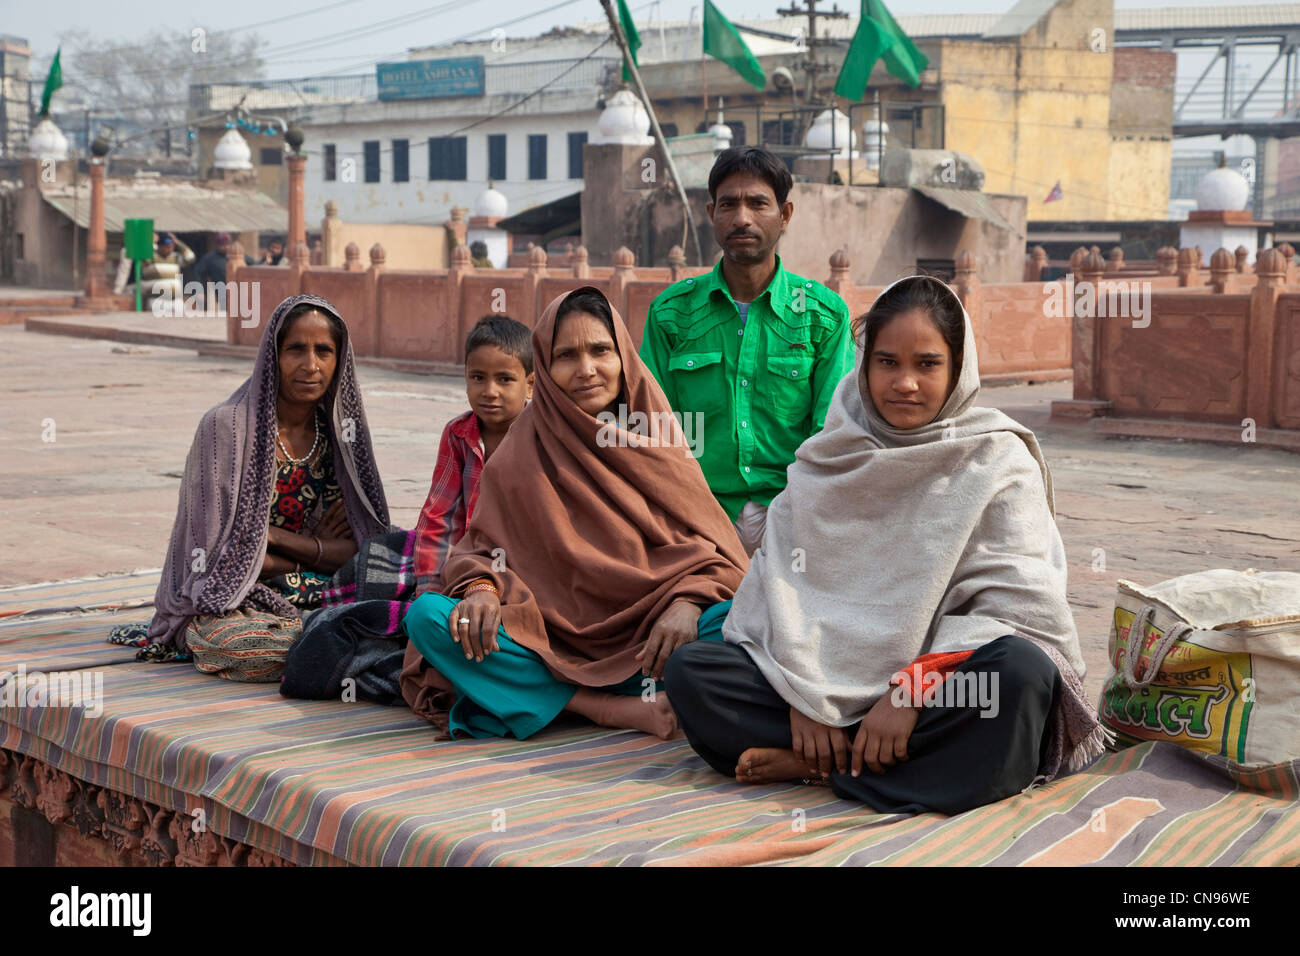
<point>690,282</point>
<point>744,382</point>
<point>807,285</point>
<point>740,331</point>
<point>690,362</point>
<point>746,469</point>
<point>794,372</point>
<point>744,424</point>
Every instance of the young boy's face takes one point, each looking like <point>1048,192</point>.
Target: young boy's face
<point>497,385</point>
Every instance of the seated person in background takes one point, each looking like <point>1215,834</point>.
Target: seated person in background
<point>907,611</point>
<point>592,554</point>
<point>280,486</point>
<point>498,383</point>
<point>164,269</point>
<point>478,255</point>
<point>273,254</point>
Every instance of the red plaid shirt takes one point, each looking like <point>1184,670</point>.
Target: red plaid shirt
<point>451,500</point>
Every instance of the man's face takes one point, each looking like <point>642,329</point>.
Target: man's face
<point>165,248</point>
<point>276,248</point>
<point>747,220</point>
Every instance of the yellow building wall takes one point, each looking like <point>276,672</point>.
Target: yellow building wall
<point>1032,117</point>
<point>1139,179</point>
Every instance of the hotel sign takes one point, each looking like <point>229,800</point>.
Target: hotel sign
<point>430,79</point>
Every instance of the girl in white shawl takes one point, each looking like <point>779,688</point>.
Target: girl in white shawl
<point>906,614</point>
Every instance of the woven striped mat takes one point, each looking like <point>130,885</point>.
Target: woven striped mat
<point>79,596</point>
<point>330,782</point>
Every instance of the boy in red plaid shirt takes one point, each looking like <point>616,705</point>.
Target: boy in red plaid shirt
<point>498,383</point>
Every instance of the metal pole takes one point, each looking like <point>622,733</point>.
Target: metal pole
<point>659,134</point>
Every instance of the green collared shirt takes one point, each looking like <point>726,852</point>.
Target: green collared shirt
<point>749,392</point>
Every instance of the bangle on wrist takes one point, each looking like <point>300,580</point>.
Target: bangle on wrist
<point>319,549</point>
<point>482,584</point>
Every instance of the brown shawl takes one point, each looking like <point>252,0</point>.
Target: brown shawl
<point>588,539</point>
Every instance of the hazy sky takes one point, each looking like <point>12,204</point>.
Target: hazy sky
<point>343,27</point>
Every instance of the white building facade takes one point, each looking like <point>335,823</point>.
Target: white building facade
<point>412,160</point>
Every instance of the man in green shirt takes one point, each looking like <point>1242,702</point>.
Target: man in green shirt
<point>748,394</point>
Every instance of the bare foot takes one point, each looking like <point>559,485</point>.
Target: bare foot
<point>626,712</point>
<point>773,765</point>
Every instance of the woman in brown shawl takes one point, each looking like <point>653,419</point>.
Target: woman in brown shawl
<point>280,486</point>
<point>591,556</point>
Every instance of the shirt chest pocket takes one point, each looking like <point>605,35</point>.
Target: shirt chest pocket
<point>699,381</point>
<point>788,388</point>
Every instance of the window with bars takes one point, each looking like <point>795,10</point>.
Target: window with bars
<point>370,153</point>
<point>331,163</point>
<point>447,158</point>
<point>401,161</point>
<point>576,142</point>
<point>536,155</point>
<point>497,156</point>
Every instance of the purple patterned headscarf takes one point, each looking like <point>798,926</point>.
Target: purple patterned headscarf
<point>219,540</point>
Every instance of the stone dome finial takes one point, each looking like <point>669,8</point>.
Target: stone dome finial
<point>491,204</point>
<point>47,142</point>
<point>1222,188</point>
<point>624,120</point>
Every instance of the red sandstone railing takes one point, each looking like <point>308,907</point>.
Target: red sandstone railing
<point>422,317</point>
<point>1217,358</point>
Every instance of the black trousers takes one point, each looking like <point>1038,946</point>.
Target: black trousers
<point>957,758</point>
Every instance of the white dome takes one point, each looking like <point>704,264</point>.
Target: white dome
<point>232,152</point>
<point>1222,188</point>
<point>831,124</point>
<point>721,135</point>
<point>624,120</point>
<point>47,141</point>
<point>491,204</point>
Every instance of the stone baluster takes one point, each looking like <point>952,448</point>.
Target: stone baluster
<point>534,272</point>
<point>1288,251</point>
<point>352,258</point>
<point>1189,261</point>
<point>1271,268</point>
<point>1167,260</point>
<point>369,340</point>
<point>1076,260</point>
<point>967,284</point>
<point>1222,272</point>
<point>624,273</point>
<point>1241,255</point>
<point>581,264</point>
<point>331,234</point>
<point>677,263</point>
<point>1037,263</point>
<point>839,281</point>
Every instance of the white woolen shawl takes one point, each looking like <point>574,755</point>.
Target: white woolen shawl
<point>891,543</point>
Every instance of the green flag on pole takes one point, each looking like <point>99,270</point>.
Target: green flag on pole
<point>723,42</point>
<point>878,35</point>
<point>633,38</point>
<point>52,82</point>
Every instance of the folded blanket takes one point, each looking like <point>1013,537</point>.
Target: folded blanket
<point>357,634</point>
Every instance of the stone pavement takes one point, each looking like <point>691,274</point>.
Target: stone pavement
<point>101,496</point>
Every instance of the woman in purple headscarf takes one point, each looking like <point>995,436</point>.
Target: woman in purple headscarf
<point>280,486</point>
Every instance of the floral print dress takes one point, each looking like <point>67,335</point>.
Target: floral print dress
<point>299,489</point>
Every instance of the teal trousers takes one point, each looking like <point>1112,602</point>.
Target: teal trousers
<point>509,692</point>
